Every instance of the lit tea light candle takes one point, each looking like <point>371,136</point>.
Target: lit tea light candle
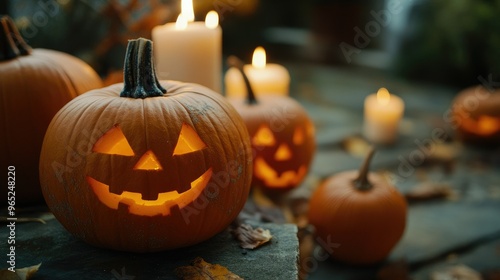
<point>383,111</point>
<point>266,78</point>
<point>188,50</point>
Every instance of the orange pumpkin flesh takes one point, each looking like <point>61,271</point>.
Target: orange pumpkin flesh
<point>361,212</point>
<point>282,137</point>
<point>143,170</point>
<point>34,85</point>
<point>476,115</point>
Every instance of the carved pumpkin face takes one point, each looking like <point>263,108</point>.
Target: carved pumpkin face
<point>149,167</point>
<point>151,171</point>
<point>476,115</point>
<point>282,137</point>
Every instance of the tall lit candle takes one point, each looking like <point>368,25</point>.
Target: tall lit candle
<point>265,77</point>
<point>383,112</point>
<point>190,51</point>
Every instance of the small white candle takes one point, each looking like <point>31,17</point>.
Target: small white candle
<point>383,111</point>
<point>265,78</point>
<point>190,51</point>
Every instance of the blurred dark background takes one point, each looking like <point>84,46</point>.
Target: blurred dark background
<point>439,41</point>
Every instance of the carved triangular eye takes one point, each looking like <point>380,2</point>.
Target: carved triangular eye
<point>113,142</point>
<point>298,136</point>
<point>263,137</point>
<point>189,141</point>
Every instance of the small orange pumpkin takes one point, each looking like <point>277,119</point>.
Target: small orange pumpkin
<point>476,114</point>
<point>34,85</point>
<point>282,137</point>
<point>359,211</point>
<point>144,170</point>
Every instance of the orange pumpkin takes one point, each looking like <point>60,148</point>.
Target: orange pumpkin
<point>476,114</point>
<point>34,85</point>
<point>282,136</point>
<point>144,170</point>
<point>359,211</point>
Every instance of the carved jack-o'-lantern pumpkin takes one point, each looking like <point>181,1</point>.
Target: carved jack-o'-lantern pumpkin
<point>282,137</point>
<point>476,114</point>
<point>145,170</point>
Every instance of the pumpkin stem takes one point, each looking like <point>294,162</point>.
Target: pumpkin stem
<point>12,44</point>
<point>139,76</point>
<point>235,62</point>
<point>362,183</point>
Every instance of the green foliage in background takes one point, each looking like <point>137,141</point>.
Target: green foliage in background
<point>451,42</point>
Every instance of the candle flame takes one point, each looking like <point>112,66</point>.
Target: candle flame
<point>212,20</point>
<point>181,22</point>
<point>187,10</point>
<point>259,58</point>
<point>383,96</point>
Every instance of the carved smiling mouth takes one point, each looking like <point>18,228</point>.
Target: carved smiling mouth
<point>270,176</point>
<point>160,206</point>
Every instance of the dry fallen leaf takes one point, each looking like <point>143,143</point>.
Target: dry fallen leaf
<point>458,272</point>
<point>20,274</point>
<point>201,270</point>
<point>428,191</point>
<point>356,146</point>
<point>251,238</point>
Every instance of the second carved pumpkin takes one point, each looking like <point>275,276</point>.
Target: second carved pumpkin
<point>282,137</point>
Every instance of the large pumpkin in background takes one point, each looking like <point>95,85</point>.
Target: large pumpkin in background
<point>476,114</point>
<point>146,170</point>
<point>34,85</point>
<point>282,137</point>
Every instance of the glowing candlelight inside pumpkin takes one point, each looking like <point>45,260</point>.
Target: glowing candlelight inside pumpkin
<point>190,51</point>
<point>266,78</point>
<point>383,112</point>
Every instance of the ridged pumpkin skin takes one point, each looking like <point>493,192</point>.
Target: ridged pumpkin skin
<point>476,115</point>
<point>33,88</point>
<point>71,162</point>
<point>366,224</point>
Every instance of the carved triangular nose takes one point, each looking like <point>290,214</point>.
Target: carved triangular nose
<point>148,161</point>
<point>283,153</point>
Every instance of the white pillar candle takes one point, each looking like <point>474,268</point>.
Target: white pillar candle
<point>265,78</point>
<point>383,111</point>
<point>190,51</point>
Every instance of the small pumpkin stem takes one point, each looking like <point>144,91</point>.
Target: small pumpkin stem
<point>235,62</point>
<point>139,75</point>
<point>362,183</point>
<point>12,44</point>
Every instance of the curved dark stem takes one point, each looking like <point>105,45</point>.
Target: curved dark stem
<point>235,62</point>
<point>12,44</point>
<point>139,75</point>
<point>362,183</point>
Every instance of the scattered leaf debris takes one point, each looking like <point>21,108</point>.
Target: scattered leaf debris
<point>251,238</point>
<point>20,273</point>
<point>429,191</point>
<point>356,146</point>
<point>202,270</point>
<point>457,272</point>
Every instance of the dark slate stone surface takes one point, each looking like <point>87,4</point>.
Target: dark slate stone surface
<point>65,257</point>
<point>334,98</point>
